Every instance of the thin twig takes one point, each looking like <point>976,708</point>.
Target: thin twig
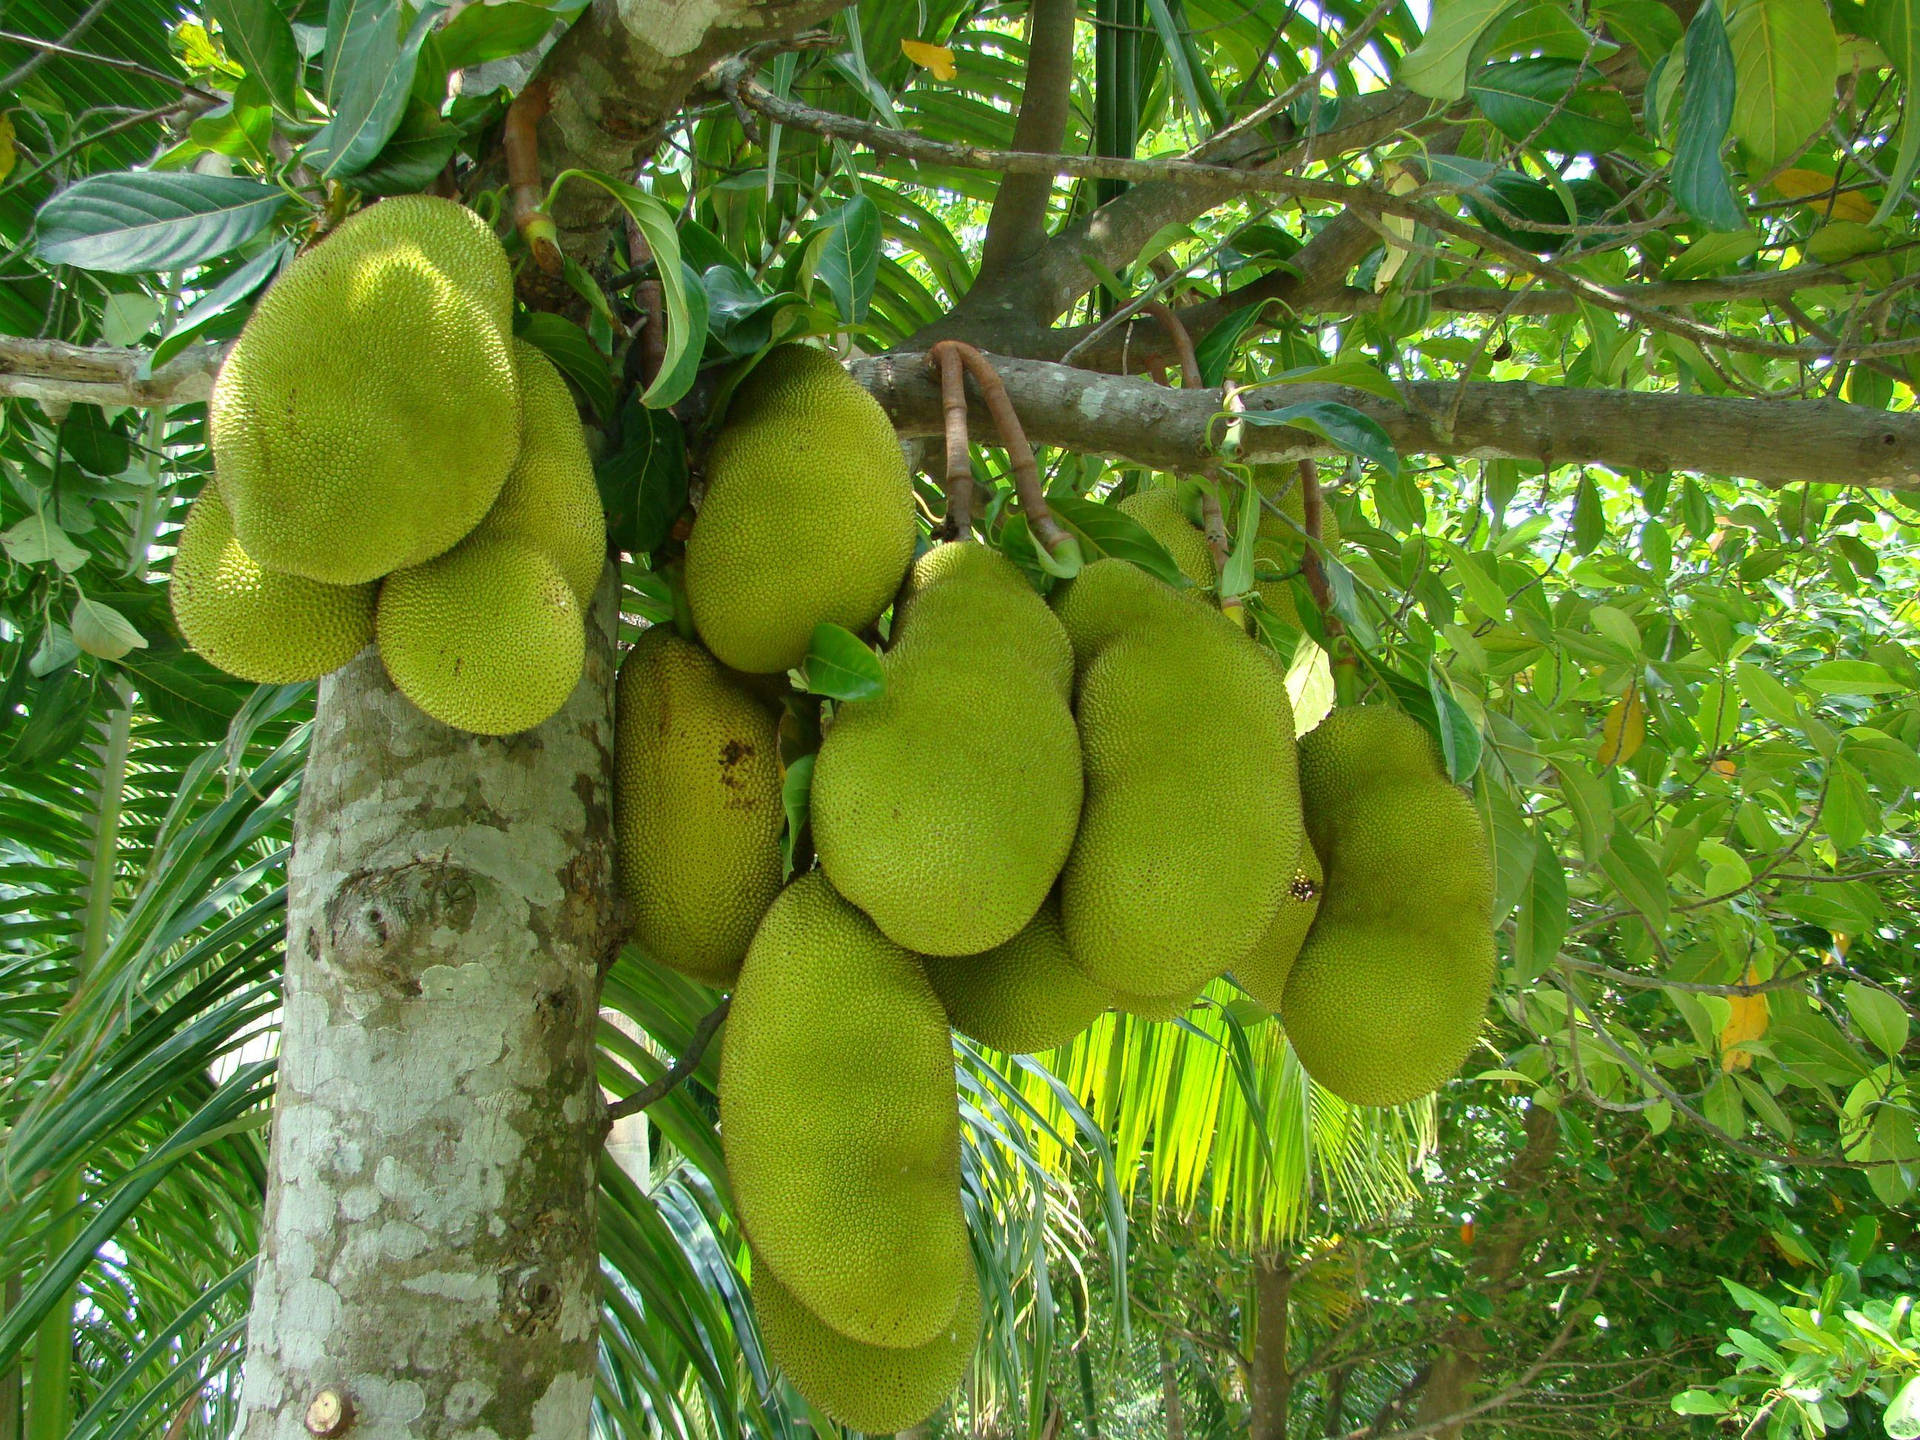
<point>676,1073</point>
<point>20,72</point>
<point>945,359</point>
<point>53,47</point>
<point>1182,341</point>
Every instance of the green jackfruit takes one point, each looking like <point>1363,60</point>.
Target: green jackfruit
<point>807,518</point>
<point>1110,598</point>
<point>945,806</point>
<point>1191,826</point>
<point>1159,1008</point>
<point>1162,516</point>
<point>1024,996</point>
<point>841,1122</point>
<point>1389,990</point>
<point>1281,543</point>
<point>866,1387</point>
<point>550,500</point>
<point>262,626</point>
<point>996,594</point>
<point>1263,970</point>
<point>696,806</point>
<point>487,638</point>
<point>369,412</point>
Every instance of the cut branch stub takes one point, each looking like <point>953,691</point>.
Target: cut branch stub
<point>519,138</point>
<point>1047,531</point>
<point>945,360</point>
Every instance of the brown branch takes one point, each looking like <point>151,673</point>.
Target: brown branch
<point>1181,341</point>
<point>1017,225</point>
<point>1026,470</point>
<point>946,359</point>
<point>51,48</point>
<point>677,1073</point>
<point>54,372</point>
<point>520,141</point>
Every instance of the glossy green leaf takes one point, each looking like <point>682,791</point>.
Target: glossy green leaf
<point>152,220</point>
<point>1437,66</point>
<point>480,33</point>
<point>256,34</point>
<point>1555,104</point>
<point>1785,54</point>
<point>1706,110</point>
<point>840,665</point>
<point>1895,24</point>
<point>373,80</point>
<point>849,256</point>
<point>1338,424</point>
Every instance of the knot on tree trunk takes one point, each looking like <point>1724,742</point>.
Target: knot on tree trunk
<point>387,924</point>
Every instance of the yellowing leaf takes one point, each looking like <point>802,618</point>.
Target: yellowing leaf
<point>1798,184</point>
<point>1399,229</point>
<point>937,58</point>
<point>1748,1021</point>
<point>1624,730</point>
<point>7,152</point>
<point>1724,766</point>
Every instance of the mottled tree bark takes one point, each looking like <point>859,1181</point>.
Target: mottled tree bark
<point>1272,1382</point>
<point>430,1264</point>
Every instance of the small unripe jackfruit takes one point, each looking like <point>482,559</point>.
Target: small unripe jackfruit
<point>1387,995</point>
<point>841,1122</point>
<point>487,638</point>
<point>1023,996</point>
<point>696,806</point>
<point>807,516</point>
<point>1263,970</point>
<point>367,415</point>
<point>550,501</point>
<point>1162,516</point>
<point>866,1387</point>
<point>945,805</point>
<point>265,627</point>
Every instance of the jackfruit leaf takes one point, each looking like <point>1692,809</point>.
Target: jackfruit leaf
<point>1624,730</point>
<point>1637,875</point>
<point>849,256</point>
<point>1650,27</point>
<point>840,666</point>
<point>1437,66</point>
<point>1902,1420</point>
<point>643,484</point>
<point>686,314</point>
<point>481,33</point>
<point>1237,578</point>
<point>1355,374</point>
<point>1717,719</point>
<point>185,690</point>
<point>739,313</point>
<point>1849,814</point>
<point>1699,1402</point>
<point>259,36</point>
<point>1706,109</point>
<point>101,630</point>
<point>1557,104</point>
<point>1108,531</point>
<point>1541,924</point>
<point>1849,677</point>
<point>1785,53</point>
<point>1895,25</point>
<point>1766,694</point>
<point>1589,516</point>
<point>416,152</point>
<point>1064,563</point>
<point>796,798</point>
<point>1215,349</point>
<point>579,359</point>
<point>38,539</point>
<point>141,220</point>
<point>1878,1016</point>
<point>56,649</point>
<point>89,441</point>
<point>373,79</point>
<point>218,301</point>
<point>1339,425</point>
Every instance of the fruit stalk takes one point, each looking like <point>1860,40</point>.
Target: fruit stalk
<point>1026,470</point>
<point>945,359</point>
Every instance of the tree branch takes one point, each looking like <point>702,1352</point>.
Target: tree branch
<point>1777,442</point>
<point>1017,226</point>
<point>54,372</point>
<point>676,1073</point>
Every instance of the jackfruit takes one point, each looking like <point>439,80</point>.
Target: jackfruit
<point>1162,516</point>
<point>1263,970</point>
<point>841,1122</point>
<point>1022,997</point>
<point>1388,993</point>
<point>1191,826</point>
<point>488,638</point>
<point>1111,597</point>
<point>1281,543</point>
<point>1159,1008</point>
<point>696,806</point>
<point>945,806</point>
<point>997,592</point>
<point>262,626</point>
<point>549,500</point>
<point>873,1388</point>
<point>807,518</point>
<point>366,418</point>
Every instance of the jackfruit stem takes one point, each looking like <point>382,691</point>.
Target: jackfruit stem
<point>946,359</point>
<point>1013,435</point>
<point>519,139</point>
<point>1345,663</point>
<point>1182,342</point>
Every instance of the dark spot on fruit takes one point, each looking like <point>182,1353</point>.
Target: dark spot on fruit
<point>1303,889</point>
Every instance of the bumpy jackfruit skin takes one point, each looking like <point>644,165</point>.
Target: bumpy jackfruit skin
<point>841,1123</point>
<point>954,856</point>
<point>1192,825</point>
<point>1263,970</point>
<point>1110,598</point>
<point>696,806</point>
<point>866,1387</point>
<point>549,499</point>
<point>1161,515</point>
<point>488,638</point>
<point>366,418</point>
<point>1021,997</point>
<point>1389,990</point>
<point>1159,1008</point>
<point>997,594</point>
<point>261,626</point>
<point>807,517</point>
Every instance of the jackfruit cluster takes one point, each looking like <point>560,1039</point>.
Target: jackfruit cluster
<point>392,465</point>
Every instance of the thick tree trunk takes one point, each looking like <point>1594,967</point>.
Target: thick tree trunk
<point>430,1264</point>
<point>1176,1417</point>
<point>1272,1382</point>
